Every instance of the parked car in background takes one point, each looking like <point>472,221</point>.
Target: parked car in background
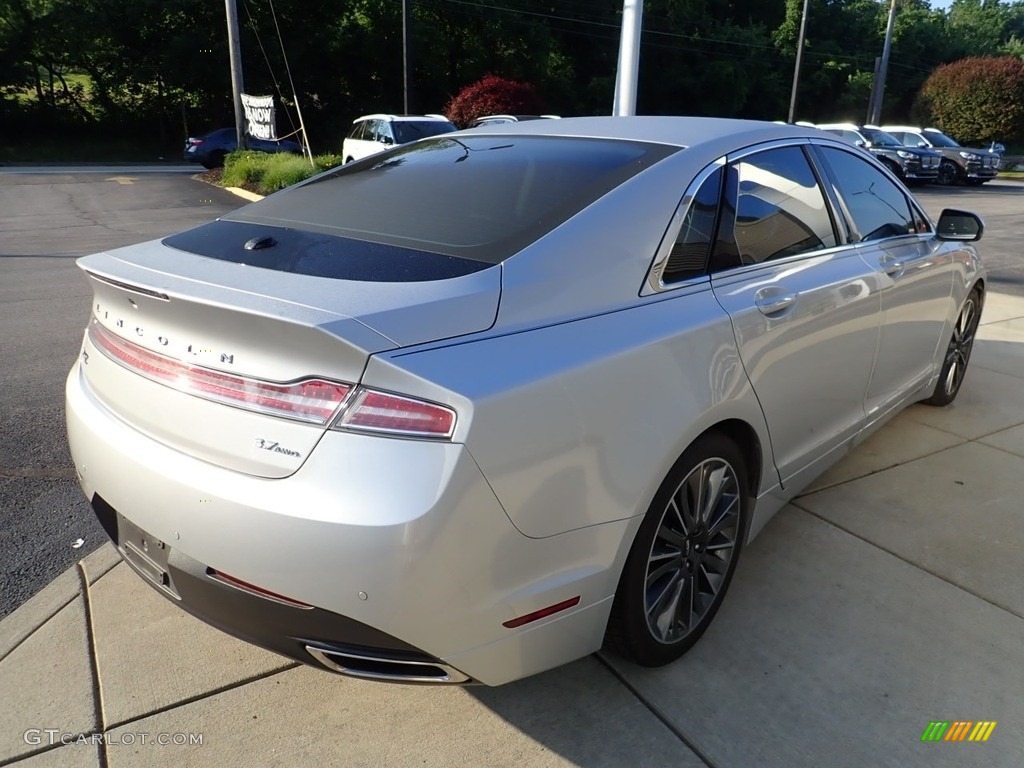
<point>371,134</point>
<point>466,410</point>
<point>500,119</point>
<point>909,163</point>
<point>210,149</point>
<point>967,165</point>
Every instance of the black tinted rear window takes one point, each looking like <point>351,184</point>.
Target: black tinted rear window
<point>408,130</point>
<point>473,197</point>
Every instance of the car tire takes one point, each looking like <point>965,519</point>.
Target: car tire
<point>958,352</point>
<point>895,169</point>
<point>214,160</point>
<point>947,173</point>
<point>684,553</point>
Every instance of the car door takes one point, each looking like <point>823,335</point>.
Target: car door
<point>804,305</point>
<point>895,238</point>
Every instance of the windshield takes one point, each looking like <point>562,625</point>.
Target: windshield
<point>407,130</point>
<point>881,138</point>
<point>940,139</point>
<point>476,197</point>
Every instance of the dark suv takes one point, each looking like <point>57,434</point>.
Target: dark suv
<point>968,165</point>
<point>909,163</point>
<point>211,148</point>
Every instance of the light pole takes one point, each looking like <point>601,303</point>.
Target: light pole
<point>406,54</point>
<point>628,70</point>
<point>235,55</point>
<point>799,61</point>
<point>878,87</point>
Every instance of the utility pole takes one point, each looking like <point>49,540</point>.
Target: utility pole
<point>628,70</point>
<point>406,54</point>
<point>235,55</point>
<point>799,61</point>
<point>878,89</point>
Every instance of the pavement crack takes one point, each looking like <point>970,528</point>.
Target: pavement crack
<point>795,503</point>
<point>205,695</point>
<point>94,662</point>
<point>655,710</point>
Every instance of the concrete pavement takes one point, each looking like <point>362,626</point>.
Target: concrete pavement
<point>888,596</point>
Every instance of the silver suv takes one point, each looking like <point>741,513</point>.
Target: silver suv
<point>968,165</point>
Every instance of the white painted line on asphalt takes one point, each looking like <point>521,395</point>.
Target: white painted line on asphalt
<point>107,169</point>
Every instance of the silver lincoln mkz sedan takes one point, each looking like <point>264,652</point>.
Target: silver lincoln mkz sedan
<point>473,407</point>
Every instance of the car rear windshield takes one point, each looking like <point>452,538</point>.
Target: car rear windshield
<point>481,198</point>
<point>408,130</point>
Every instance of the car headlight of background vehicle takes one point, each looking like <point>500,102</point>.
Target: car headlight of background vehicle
<point>904,154</point>
<point>968,156</point>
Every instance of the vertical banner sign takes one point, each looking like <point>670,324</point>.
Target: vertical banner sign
<point>259,117</point>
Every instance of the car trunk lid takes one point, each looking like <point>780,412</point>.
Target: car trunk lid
<point>172,331</point>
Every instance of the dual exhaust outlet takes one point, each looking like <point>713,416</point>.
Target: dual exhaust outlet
<point>367,666</point>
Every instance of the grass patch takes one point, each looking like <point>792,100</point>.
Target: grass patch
<point>266,173</point>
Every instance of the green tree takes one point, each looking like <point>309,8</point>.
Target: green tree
<point>976,100</point>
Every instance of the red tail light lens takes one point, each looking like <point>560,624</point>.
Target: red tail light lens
<point>311,400</point>
<point>373,411</point>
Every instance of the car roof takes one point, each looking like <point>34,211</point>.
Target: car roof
<point>842,126</point>
<point>402,118</point>
<point>673,131</point>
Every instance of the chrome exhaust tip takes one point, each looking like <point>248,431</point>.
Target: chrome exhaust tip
<point>371,667</point>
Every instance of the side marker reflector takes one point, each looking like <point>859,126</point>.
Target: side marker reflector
<point>542,613</point>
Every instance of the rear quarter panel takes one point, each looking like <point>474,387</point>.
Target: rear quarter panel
<point>577,424</point>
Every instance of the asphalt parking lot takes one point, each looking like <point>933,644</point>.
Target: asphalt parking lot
<point>886,597</point>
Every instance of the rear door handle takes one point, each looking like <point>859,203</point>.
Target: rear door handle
<point>773,300</point>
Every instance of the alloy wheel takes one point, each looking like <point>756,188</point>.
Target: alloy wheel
<point>959,350</point>
<point>693,548</point>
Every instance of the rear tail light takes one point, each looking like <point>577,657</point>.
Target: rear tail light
<point>373,411</point>
<point>310,400</point>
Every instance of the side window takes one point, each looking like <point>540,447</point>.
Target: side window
<point>690,253</point>
<point>853,137</point>
<point>878,207</point>
<point>777,206</point>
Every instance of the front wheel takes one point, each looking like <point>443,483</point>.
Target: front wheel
<point>958,352</point>
<point>684,555</point>
<point>947,173</point>
<point>214,160</point>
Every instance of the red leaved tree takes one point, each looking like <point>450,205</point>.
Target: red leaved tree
<point>976,100</point>
<point>493,95</point>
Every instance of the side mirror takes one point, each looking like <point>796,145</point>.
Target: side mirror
<point>959,225</point>
<point>923,144</point>
<point>859,143</point>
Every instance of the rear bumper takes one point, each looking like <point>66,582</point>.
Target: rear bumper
<point>398,547</point>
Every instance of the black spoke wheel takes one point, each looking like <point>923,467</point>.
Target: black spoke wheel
<point>958,352</point>
<point>947,173</point>
<point>684,555</point>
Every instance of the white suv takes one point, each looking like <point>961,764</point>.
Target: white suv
<point>375,133</point>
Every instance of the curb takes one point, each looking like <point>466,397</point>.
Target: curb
<point>245,194</point>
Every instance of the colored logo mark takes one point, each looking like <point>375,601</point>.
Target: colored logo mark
<point>958,730</point>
